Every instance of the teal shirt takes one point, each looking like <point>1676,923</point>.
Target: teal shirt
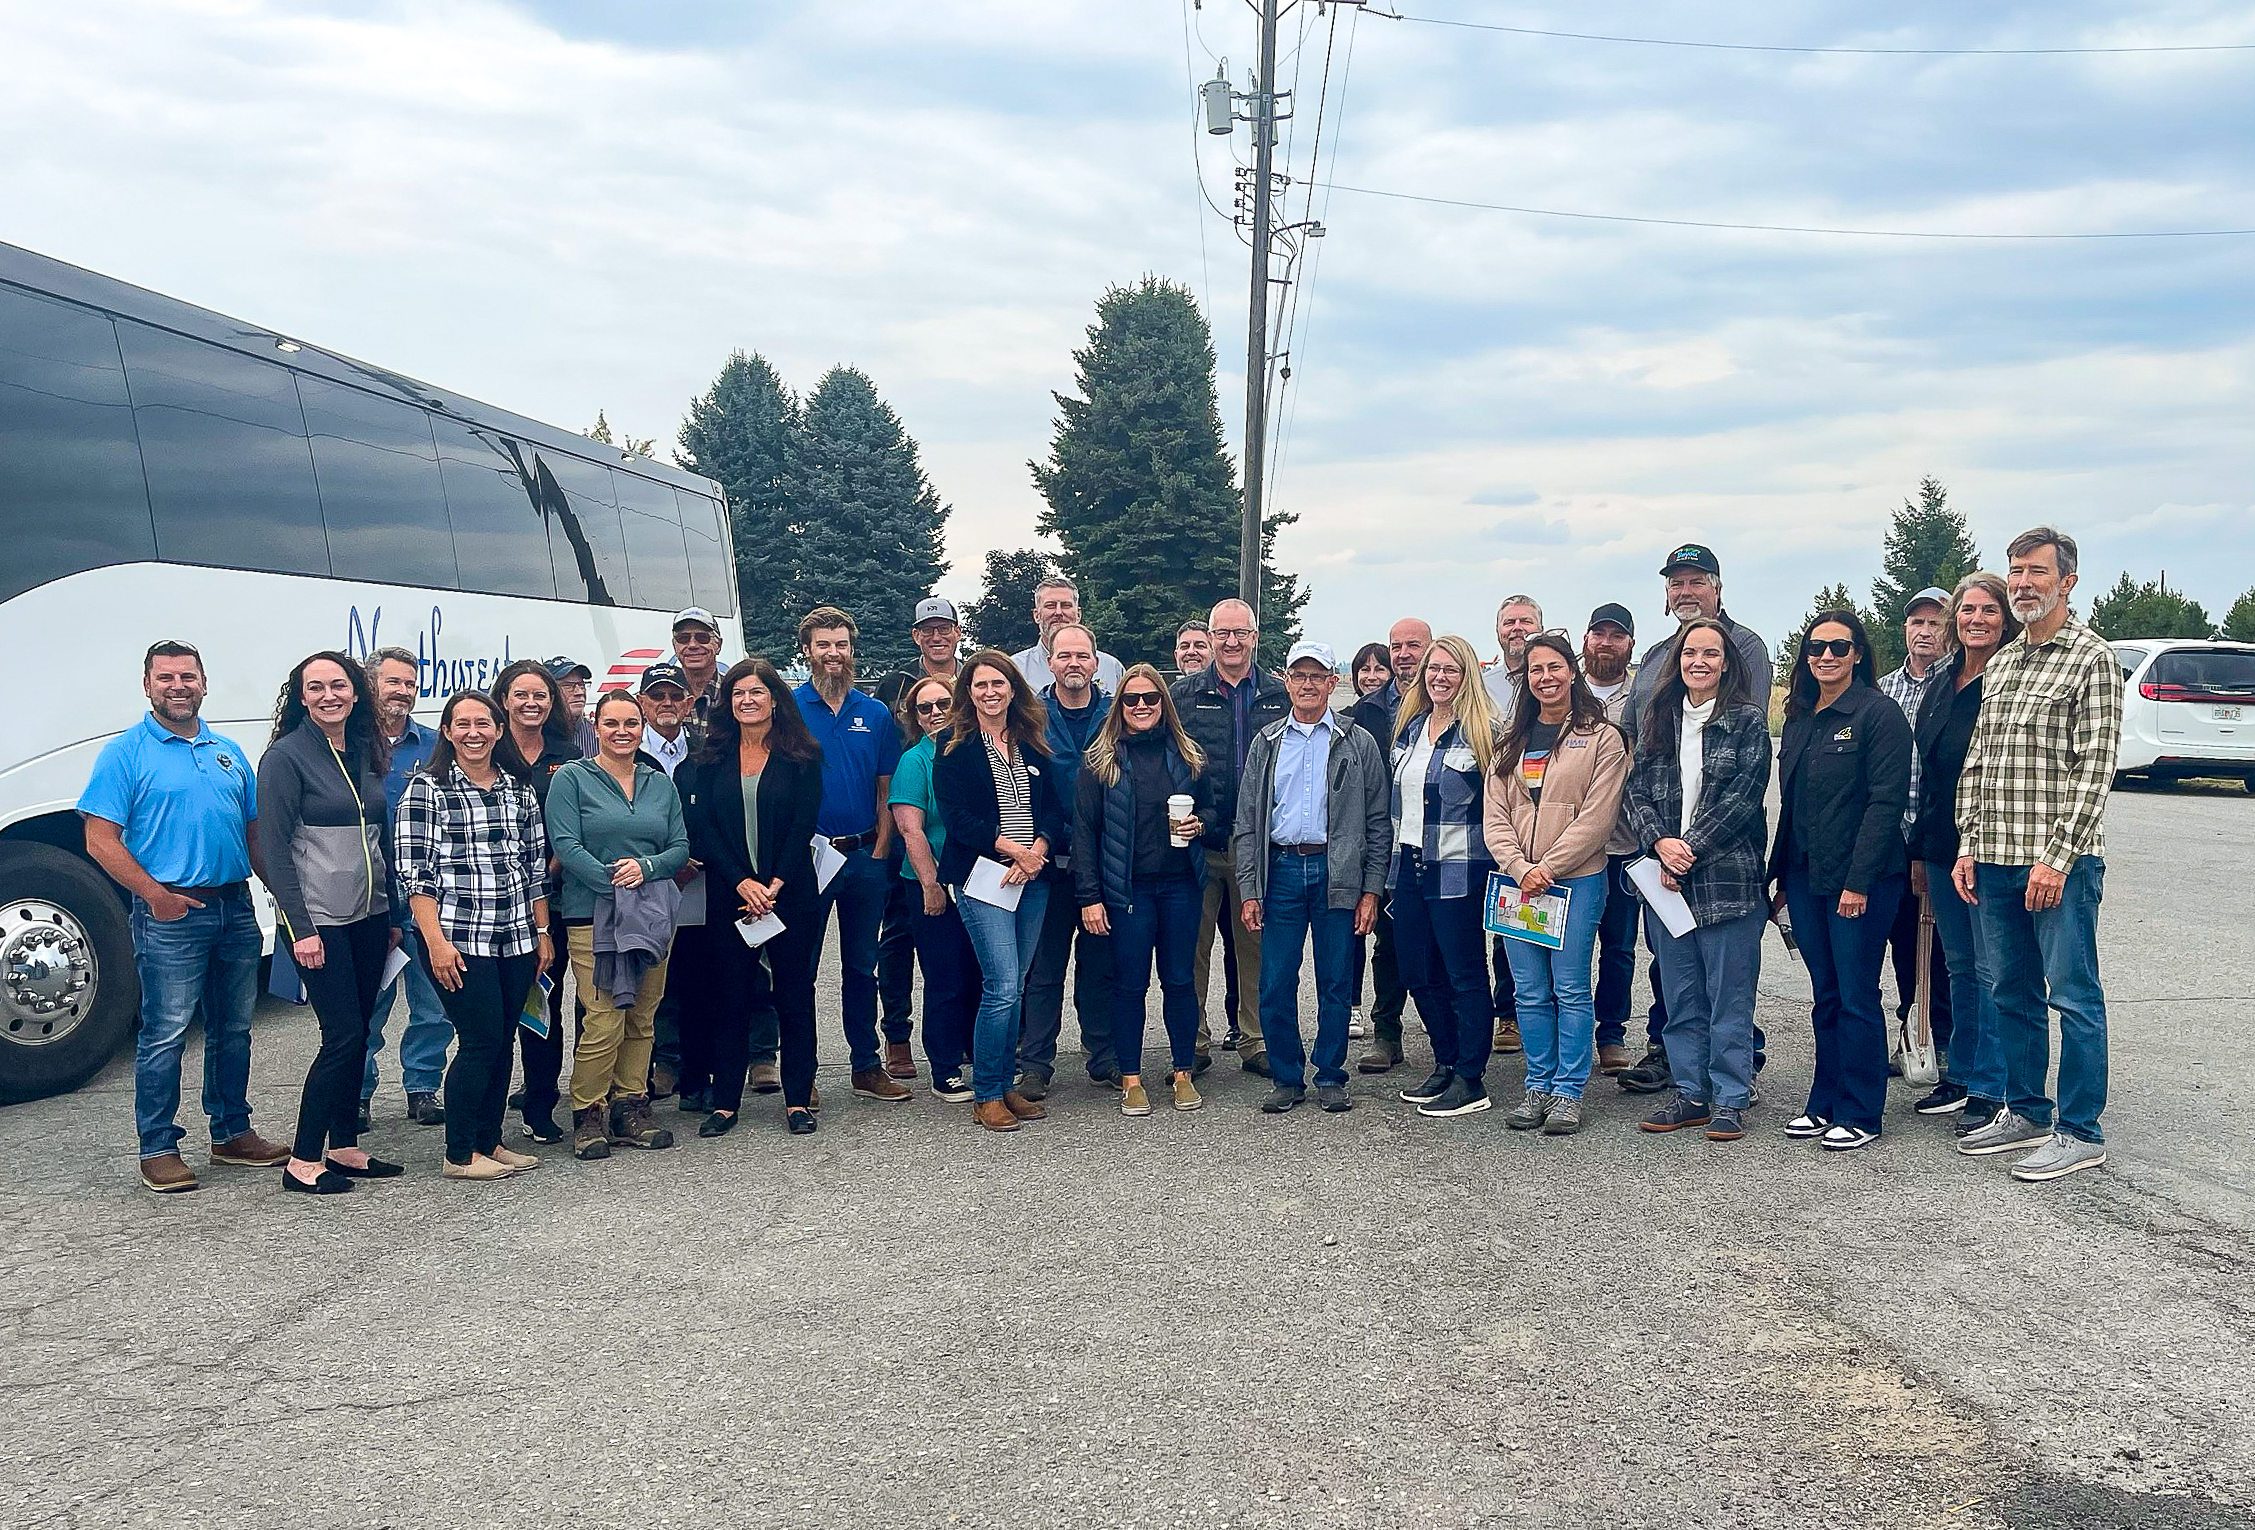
<point>912,787</point>
<point>591,824</point>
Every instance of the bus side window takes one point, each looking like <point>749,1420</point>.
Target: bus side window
<point>655,558</point>
<point>381,496</point>
<point>500,543</point>
<point>583,528</point>
<point>71,492</point>
<point>230,471</point>
<point>711,578</point>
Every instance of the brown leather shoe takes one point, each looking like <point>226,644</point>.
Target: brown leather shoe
<point>994,1115</point>
<point>764,1078</point>
<point>873,1084</point>
<point>898,1064</point>
<point>168,1174</point>
<point>1613,1059</point>
<point>1507,1037</point>
<point>1023,1108</point>
<point>1381,1055</point>
<point>249,1150</point>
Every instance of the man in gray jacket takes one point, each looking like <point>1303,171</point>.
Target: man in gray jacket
<point>1310,848</point>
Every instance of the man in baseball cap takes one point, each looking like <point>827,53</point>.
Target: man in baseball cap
<point>1926,625</point>
<point>571,679</point>
<point>696,648</point>
<point>936,628</point>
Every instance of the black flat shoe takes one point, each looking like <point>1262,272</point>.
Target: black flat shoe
<point>719,1124</point>
<point>377,1169</point>
<point>325,1183</point>
<point>801,1120</point>
<point>543,1127</point>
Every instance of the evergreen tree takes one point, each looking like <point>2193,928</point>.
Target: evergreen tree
<point>870,527</point>
<point>744,435</point>
<point>1928,545</point>
<point>2239,622</point>
<point>1003,615</point>
<point>1140,491</point>
<point>1831,598</point>
<point>601,431</point>
<point>2148,610</point>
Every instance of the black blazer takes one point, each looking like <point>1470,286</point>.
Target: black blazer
<point>712,801</point>
<point>1844,776</point>
<point>963,782</point>
<point>1944,729</point>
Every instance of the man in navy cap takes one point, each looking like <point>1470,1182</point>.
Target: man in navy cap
<point>571,679</point>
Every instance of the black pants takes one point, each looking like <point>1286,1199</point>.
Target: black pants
<point>775,981</point>
<point>1616,960</point>
<point>1229,981</point>
<point>692,989</point>
<point>484,1011</point>
<point>544,1055</point>
<point>1902,947</point>
<point>1506,996</point>
<point>896,958</point>
<point>1388,993</point>
<point>343,992</point>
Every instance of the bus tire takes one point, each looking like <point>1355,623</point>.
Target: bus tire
<point>69,992</point>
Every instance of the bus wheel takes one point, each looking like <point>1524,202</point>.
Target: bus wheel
<point>68,989</point>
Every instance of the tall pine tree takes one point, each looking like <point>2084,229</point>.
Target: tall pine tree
<point>870,527</point>
<point>744,435</point>
<point>1003,615</point>
<point>1140,491</point>
<point>1928,545</point>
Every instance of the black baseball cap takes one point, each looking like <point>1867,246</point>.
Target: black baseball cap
<point>664,674</point>
<point>1692,555</point>
<point>1616,613</point>
<point>562,668</point>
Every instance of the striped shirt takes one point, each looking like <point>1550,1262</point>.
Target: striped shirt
<point>1013,793</point>
<point>1909,693</point>
<point>480,852</point>
<point>2042,755</point>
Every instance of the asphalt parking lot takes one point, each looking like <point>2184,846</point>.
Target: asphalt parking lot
<point>1210,1319</point>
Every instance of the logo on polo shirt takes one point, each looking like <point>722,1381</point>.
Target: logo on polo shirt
<point>858,725</point>
<point>226,760</point>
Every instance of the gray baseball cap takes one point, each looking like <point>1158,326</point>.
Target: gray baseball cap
<point>1939,597</point>
<point>935,610</point>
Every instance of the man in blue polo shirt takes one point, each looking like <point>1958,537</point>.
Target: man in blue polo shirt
<point>396,677</point>
<point>168,815</point>
<point>860,747</point>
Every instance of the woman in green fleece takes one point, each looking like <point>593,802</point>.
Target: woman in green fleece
<point>613,823</point>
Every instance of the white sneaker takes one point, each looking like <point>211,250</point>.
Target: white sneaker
<point>2060,1156</point>
<point>1358,1024</point>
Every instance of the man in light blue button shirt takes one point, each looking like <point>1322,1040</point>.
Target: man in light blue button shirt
<point>1310,850</point>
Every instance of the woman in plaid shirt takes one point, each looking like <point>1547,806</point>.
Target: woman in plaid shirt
<point>472,855</point>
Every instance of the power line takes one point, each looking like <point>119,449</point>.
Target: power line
<point>1676,42</point>
<point>1309,259</point>
<point>1197,162</point>
<point>1789,228</point>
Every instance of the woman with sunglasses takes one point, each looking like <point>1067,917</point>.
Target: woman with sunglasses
<point>943,950</point>
<point>1140,877</point>
<point>1839,864</point>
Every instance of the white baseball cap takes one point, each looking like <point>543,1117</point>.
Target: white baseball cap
<point>1306,649</point>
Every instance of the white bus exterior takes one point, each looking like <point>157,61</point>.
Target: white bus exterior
<point>168,473</point>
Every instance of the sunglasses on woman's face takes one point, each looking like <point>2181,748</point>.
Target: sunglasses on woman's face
<point>933,708</point>
<point>1838,648</point>
<point>1140,699</point>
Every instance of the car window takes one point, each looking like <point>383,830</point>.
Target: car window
<point>2211,671</point>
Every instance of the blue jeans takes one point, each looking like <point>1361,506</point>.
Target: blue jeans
<point>422,1046</point>
<point>1844,957</point>
<point>858,892</point>
<point>1004,941</point>
<point>1975,1063</point>
<point>1557,1013</point>
<point>1441,946</point>
<point>210,956</point>
<point>1298,905</point>
<point>1710,975</point>
<point>2048,957</point>
<point>951,985</point>
<point>1161,920</point>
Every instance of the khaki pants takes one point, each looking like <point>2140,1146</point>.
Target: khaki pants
<point>1221,896</point>
<point>612,1060</point>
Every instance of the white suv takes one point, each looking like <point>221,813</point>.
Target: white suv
<point>2188,709</point>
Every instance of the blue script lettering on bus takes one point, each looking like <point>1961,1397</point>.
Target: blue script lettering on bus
<point>435,675</point>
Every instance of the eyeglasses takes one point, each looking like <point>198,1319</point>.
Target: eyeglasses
<point>933,708</point>
<point>1140,699</point>
<point>684,639</point>
<point>1231,634</point>
<point>1838,648</point>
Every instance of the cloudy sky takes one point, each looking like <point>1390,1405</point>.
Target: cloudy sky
<point>573,204</point>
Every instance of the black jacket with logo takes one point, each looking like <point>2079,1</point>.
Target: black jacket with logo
<point>1205,713</point>
<point>1844,775</point>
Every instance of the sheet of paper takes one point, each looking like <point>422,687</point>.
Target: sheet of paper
<point>985,884</point>
<point>534,1016</point>
<point>827,862</point>
<point>1644,874</point>
<point>394,965</point>
<point>758,932</point>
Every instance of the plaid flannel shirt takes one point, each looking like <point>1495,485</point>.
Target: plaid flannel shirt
<point>1909,692</point>
<point>2042,756</point>
<point>1730,821</point>
<point>481,853</point>
<point>1455,847</point>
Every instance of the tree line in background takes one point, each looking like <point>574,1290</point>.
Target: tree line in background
<point>830,505</point>
<point>1930,546</point>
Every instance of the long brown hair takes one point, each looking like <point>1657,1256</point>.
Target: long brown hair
<point>787,732</point>
<point>1103,757</point>
<point>1993,586</point>
<point>1027,724</point>
<point>1662,725</point>
<point>554,731</point>
<point>364,740</point>
<point>1583,710</point>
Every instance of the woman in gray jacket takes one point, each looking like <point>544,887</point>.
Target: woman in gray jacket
<point>321,808</point>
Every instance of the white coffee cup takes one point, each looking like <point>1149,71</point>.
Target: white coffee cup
<point>1178,808</point>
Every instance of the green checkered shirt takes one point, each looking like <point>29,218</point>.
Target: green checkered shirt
<point>2042,756</point>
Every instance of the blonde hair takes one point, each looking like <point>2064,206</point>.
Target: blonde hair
<point>1103,757</point>
<point>1475,714</point>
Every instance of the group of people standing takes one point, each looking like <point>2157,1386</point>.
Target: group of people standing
<point>998,821</point>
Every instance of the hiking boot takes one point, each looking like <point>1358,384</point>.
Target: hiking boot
<point>898,1064</point>
<point>876,1084</point>
<point>631,1125</point>
<point>1529,1112</point>
<point>994,1116</point>
<point>1255,1064</point>
<point>1676,1113</point>
<point>591,1133</point>
<point>1032,1086</point>
<point>2007,1132</point>
<point>1613,1059</point>
<point>1134,1101</point>
<point>1186,1095</point>
<point>2060,1156</point>
<point>1023,1108</point>
<point>1650,1075</point>
<point>424,1109</point>
<point>168,1174</point>
<point>1565,1117</point>
<point>1946,1099</point>
<point>249,1150</point>
<point>1507,1037</point>
<point>1383,1054</point>
<point>1462,1097</point>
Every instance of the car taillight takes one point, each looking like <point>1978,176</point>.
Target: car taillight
<point>2153,691</point>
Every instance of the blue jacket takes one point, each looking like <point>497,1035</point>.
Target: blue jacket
<point>1104,816</point>
<point>1069,738</point>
